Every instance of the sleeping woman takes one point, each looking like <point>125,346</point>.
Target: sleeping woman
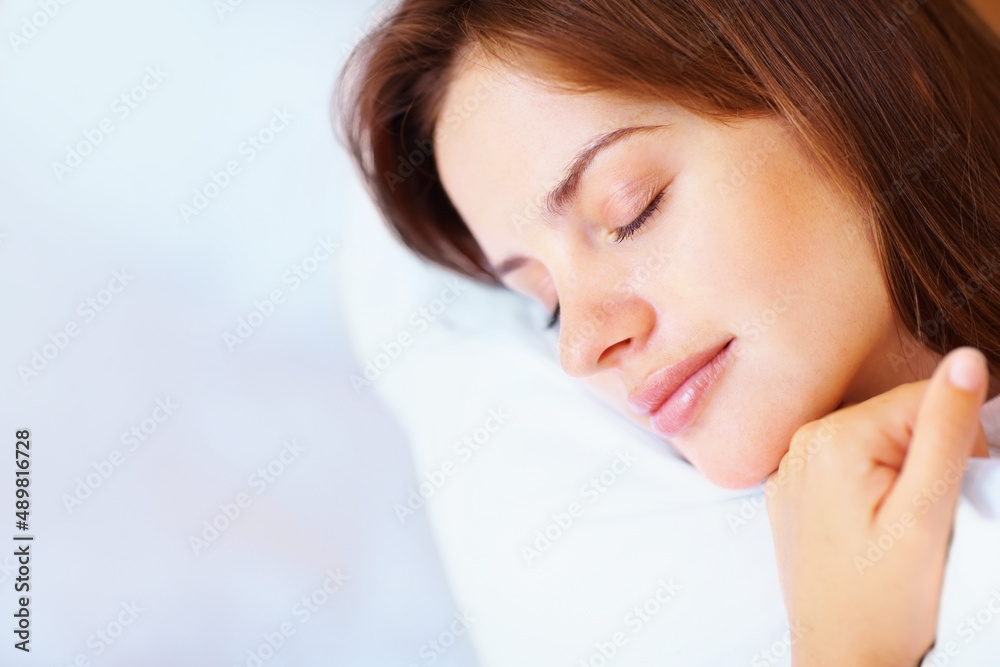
<point>768,230</point>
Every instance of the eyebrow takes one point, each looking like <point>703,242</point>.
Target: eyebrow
<point>562,195</point>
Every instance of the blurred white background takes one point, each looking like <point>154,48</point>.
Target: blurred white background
<point>144,348</point>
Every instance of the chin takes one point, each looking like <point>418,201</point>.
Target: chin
<point>737,455</point>
<point>728,478</point>
<point>741,442</point>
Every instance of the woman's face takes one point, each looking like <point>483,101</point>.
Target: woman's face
<point>675,237</point>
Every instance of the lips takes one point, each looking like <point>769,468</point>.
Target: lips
<point>672,395</point>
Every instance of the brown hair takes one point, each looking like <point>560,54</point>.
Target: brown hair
<point>898,99</point>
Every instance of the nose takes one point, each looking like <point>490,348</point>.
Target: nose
<point>600,328</point>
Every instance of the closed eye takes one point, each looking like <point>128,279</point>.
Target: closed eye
<point>622,233</point>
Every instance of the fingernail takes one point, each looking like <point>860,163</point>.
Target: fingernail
<point>967,371</point>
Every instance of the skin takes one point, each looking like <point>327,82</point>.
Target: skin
<point>752,241</point>
<point>861,511</point>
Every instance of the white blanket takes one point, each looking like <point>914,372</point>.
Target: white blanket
<point>571,536</point>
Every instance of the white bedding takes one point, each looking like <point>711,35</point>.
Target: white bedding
<point>652,564</point>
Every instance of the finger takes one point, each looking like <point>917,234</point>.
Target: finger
<point>888,421</point>
<point>946,429</point>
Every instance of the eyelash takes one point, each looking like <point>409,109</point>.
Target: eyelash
<point>631,228</point>
<point>554,320</point>
<point>621,234</point>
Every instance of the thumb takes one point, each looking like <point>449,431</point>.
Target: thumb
<point>946,430</point>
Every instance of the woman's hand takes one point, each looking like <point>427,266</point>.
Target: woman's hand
<point>861,510</point>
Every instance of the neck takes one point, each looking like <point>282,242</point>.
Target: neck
<point>898,359</point>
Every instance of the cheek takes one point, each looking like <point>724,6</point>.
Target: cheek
<point>772,263</point>
<point>758,241</point>
<point>736,249</point>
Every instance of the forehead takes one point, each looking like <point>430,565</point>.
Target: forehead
<point>504,137</point>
